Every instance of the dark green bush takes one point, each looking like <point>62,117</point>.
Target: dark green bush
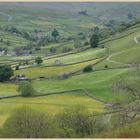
<point>26,89</point>
<point>88,68</point>
<point>5,72</point>
<point>17,67</point>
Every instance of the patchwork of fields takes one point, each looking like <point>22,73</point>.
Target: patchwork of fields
<point>122,50</point>
<point>50,104</point>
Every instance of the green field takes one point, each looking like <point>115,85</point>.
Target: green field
<point>49,71</point>
<point>50,104</point>
<point>79,57</point>
<point>113,60</point>
<point>130,53</point>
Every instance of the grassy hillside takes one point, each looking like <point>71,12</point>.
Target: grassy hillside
<point>113,60</point>
<point>50,104</point>
<point>49,71</point>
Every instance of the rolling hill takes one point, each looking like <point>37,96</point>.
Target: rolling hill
<point>117,57</point>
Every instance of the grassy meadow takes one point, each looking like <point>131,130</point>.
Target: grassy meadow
<point>109,62</point>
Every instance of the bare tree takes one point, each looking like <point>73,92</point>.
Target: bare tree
<point>129,86</point>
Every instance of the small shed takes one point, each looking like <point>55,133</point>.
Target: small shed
<point>57,62</point>
<point>2,53</point>
<point>20,78</point>
<point>64,76</point>
<point>110,105</point>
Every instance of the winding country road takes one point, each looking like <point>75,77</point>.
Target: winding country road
<point>9,18</point>
<point>109,57</point>
<point>116,62</point>
<point>135,39</point>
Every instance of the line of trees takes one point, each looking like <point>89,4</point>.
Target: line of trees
<point>5,72</point>
<point>26,89</point>
<point>26,122</point>
<point>30,36</point>
<point>73,122</point>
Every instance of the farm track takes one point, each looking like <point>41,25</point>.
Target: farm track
<point>109,57</point>
<point>115,38</point>
<point>116,62</point>
<point>102,42</point>
<point>135,39</point>
<point>9,18</point>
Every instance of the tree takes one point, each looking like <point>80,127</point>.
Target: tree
<point>81,36</point>
<point>66,49</point>
<point>87,68</point>
<point>5,49</point>
<point>55,33</point>
<point>77,43</point>
<point>17,67</point>
<point>26,35</point>
<point>37,48</point>
<point>26,122</point>
<point>94,40</point>
<point>8,43</point>
<point>119,119</point>
<point>26,89</point>
<point>96,29</point>
<point>27,62</point>
<point>83,13</point>
<point>5,72</point>
<point>1,40</point>
<point>86,43</point>
<point>52,50</point>
<point>38,60</point>
<point>35,30</point>
<point>75,122</point>
<point>18,50</point>
<point>130,16</point>
<point>13,30</point>
<point>106,66</point>
<point>129,88</point>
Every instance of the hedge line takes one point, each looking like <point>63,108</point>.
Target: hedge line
<point>45,94</point>
<point>59,92</point>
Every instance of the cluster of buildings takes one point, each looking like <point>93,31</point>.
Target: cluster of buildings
<point>13,53</point>
<point>7,53</point>
<point>38,35</point>
<point>20,78</point>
